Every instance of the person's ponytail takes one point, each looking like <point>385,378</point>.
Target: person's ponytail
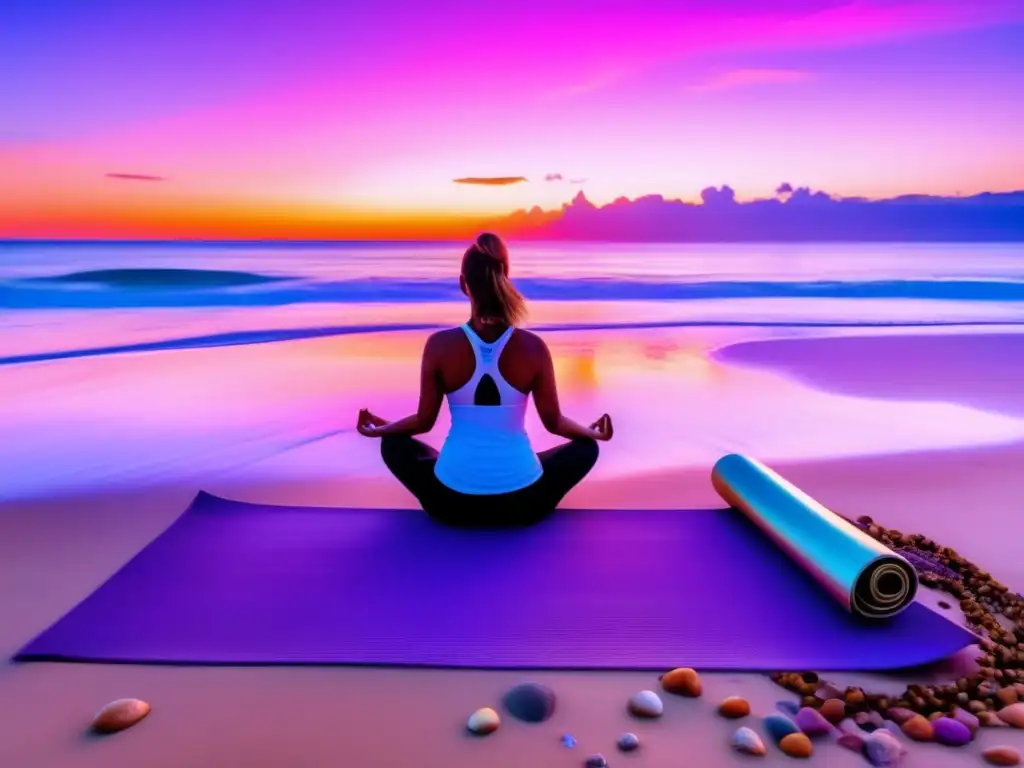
<point>485,269</point>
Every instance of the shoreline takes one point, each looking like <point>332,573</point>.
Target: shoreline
<point>831,329</point>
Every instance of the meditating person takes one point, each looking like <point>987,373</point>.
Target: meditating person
<point>487,473</point>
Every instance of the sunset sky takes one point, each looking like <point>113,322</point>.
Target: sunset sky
<point>206,118</point>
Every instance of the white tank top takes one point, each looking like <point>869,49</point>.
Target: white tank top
<point>487,450</point>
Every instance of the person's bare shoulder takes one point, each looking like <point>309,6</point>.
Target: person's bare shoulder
<point>531,344</point>
<point>440,342</point>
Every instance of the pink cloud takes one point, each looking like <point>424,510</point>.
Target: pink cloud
<point>134,177</point>
<point>739,78</point>
<point>491,181</point>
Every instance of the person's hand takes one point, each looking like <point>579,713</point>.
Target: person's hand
<point>368,424</point>
<point>602,428</point>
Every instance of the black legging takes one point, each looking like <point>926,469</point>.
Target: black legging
<point>412,462</point>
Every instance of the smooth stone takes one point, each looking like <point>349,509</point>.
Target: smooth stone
<point>1012,715</point>
<point>646,704</point>
<point>734,707</point>
<point>779,726</point>
<point>919,728</point>
<point>951,732</point>
<point>849,725</point>
<point>568,740</point>
<point>484,721</point>
<point>787,707</point>
<point>745,740</point>
<point>628,742</point>
<point>965,717</point>
<point>530,702</point>
<point>682,681</point>
<point>596,761</point>
<point>892,728</point>
<point>810,721</point>
<point>869,721</point>
<point>833,710</point>
<point>991,720</point>
<point>1001,756</point>
<point>851,741</point>
<point>1007,695</point>
<point>797,745</point>
<point>828,691</point>
<point>882,750</point>
<point>899,715</point>
<point>120,714</point>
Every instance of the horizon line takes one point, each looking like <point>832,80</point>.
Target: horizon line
<point>510,239</point>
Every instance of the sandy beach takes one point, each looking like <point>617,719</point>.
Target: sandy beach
<point>56,548</point>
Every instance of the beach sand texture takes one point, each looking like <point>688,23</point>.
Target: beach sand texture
<point>57,547</point>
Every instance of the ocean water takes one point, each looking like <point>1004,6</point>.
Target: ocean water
<point>129,363</point>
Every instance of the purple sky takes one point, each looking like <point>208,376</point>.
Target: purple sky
<point>373,109</point>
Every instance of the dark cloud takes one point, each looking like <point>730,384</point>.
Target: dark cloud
<point>554,177</point>
<point>799,214</point>
<point>491,181</point>
<point>577,181</point>
<point>726,195</point>
<point>134,177</point>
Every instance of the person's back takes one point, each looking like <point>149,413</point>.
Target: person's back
<point>487,450</point>
<point>487,471</point>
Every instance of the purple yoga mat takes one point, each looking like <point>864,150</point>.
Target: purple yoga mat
<point>234,583</point>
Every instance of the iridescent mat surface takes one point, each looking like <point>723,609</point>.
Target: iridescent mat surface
<point>236,583</point>
<point>861,574</point>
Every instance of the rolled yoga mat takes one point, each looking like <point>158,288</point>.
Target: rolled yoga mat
<point>235,583</point>
<point>864,576</point>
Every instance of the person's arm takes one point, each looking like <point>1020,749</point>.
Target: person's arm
<point>545,397</point>
<point>431,395</point>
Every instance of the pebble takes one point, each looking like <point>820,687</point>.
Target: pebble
<point>951,732</point>
<point>811,722</point>
<point>847,725</point>
<point>787,707</point>
<point>919,728</point>
<point>892,728</point>
<point>483,721</point>
<point>120,714</point>
<point>827,692</point>
<point>899,715</point>
<point>628,742</point>
<point>779,726</point>
<point>965,717</point>
<point>734,707</point>
<point>882,750</point>
<point>646,704</point>
<point>797,745</point>
<point>530,702</point>
<point>991,720</point>
<point>1007,695</point>
<point>833,710</point>
<point>682,681</point>
<point>745,740</point>
<point>869,721</point>
<point>1001,756</point>
<point>596,761</point>
<point>1013,715</point>
<point>568,740</point>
